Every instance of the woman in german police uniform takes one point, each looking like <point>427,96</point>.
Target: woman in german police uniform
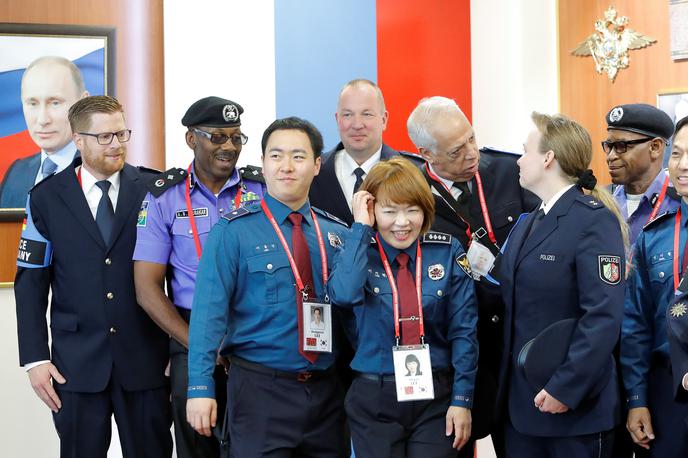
<point>412,294</point>
<point>565,261</point>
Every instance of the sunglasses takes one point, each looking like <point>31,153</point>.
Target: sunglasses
<point>221,139</point>
<point>621,146</point>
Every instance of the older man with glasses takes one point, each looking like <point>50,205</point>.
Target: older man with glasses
<point>176,216</point>
<point>636,139</point>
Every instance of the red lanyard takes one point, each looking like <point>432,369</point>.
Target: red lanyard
<point>395,292</point>
<point>292,263</point>
<point>677,234</point>
<point>189,210</point>
<point>660,199</point>
<point>483,205</point>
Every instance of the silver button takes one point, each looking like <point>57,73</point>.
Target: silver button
<point>439,292</point>
<point>376,290</point>
<point>661,275</point>
<point>495,319</point>
<point>222,210</point>
<point>110,295</point>
<point>108,261</point>
<point>269,266</point>
<point>113,330</point>
<point>510,218</point>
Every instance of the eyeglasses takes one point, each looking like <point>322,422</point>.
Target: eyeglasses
<point>105,138</point>
<point>221,139</point>
<point>622,145</point>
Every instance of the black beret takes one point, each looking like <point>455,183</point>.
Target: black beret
<point>213,112</point>
<point>641,118</point>
<point>542,356</point>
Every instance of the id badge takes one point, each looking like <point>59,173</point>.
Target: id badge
<point>413,372</point>
<point>480,258</point>
<point>317,327</point>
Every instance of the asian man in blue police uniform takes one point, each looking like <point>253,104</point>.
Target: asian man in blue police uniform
<point>660,259</point>
<point>108,357</point>
<point>677,334</point>
<point>172,233</point>
<point>49,86</point>
<point>262,266</point>
<point>458,172</point>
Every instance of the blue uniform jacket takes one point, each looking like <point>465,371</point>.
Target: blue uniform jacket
<point>449,307</point>
<point>245,289</point>
<point>650,288</point>
<point>677,333</point>
<point>562,270</point>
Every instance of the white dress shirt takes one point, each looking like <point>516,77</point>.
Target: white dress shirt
<point>546,207</point>
<point>449,184</point>
<point>344,167</point>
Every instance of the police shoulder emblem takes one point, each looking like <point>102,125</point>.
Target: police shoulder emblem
<point>462,261</point>
<point>436,272</point>
<point>143,215</point>
<point>678,310</point>
<point>609,268</point>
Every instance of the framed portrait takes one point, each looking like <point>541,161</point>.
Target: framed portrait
<point>678,17</point>
<point>29,124</point>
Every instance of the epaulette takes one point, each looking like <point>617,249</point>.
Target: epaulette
<point>252,173</point>
<point>165,180</point>
<point>590,201</point>
<point>147,172</point>
<point>437,237</point>
<point>661,217</point>
<point>414,157</point>
<point>330,216</point>
<point>241,211</point>
<point>497,152</point>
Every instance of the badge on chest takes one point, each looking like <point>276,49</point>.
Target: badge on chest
<point>317,327</point>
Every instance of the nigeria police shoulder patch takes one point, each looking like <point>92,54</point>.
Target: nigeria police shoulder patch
<point>609,268</point>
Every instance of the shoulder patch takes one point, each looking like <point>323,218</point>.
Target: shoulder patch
<point>329,216</point>
<point>165,180</point>
<point>252,173</point>
<point>437,237</point>
<point>590,201</point>
<point>35,250</point>
<point>659,218</point>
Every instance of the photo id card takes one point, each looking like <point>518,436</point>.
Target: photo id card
<point>317,327</point>
<point>413,372</point>
<point>480,258</point>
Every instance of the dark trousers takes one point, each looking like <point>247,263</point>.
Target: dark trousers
<point>276,417</point>
<point>669,416</point>
<point>188,442</point>
<point>518,445</point>
<point>84,423</point>
<point>382,427</point>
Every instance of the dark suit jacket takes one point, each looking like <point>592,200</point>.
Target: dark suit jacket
<point>506,201</point>
<point>558,272</point>
<point>19,179</point>
<point>95,335</point>
<point>326,194</point>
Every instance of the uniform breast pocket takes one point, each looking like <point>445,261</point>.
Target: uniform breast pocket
<point>659,274</point>
<point>505,215</point>
<point>272,273</point>
<point>182,227</point>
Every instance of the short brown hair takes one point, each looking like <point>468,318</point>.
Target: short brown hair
<point>80,113</point>
<point>399,181</point>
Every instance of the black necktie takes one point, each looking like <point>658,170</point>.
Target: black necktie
<point>464,198</point>
<point>539,216</point>
<point>359,172</point>
<point>105,215</point>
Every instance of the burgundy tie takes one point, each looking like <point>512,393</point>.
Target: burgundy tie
<point>302,258</point>
<point>410,331</point>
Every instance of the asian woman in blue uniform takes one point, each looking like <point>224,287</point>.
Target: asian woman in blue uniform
<point>655,415</point>
<point>388,247</point>
<point>565,261</point>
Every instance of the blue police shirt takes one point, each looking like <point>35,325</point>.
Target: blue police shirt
<point>640,216</point>
<point>164,230</point>
<point>449,305</point>
<point>649,289</point>
<point>246,293</point>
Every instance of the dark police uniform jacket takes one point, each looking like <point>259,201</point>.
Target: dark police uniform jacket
<point>570,266</point>
<point>98,330</point>
<point>327,195</point>
<point>506,201</point>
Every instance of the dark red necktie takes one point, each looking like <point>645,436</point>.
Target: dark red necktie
<point>302,258</point>
<point>410,329</point>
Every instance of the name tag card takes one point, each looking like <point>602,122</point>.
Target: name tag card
<point>317,327</point>
<point>413,372</point>
<point>480,258</point>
